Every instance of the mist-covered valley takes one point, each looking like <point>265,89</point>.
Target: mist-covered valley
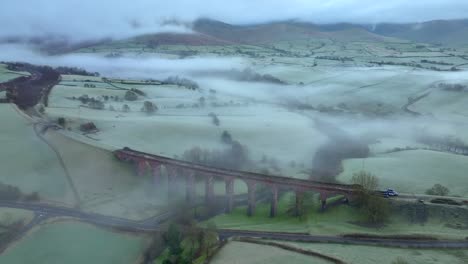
<point>204,136</point>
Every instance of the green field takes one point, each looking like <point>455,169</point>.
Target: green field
<point>27,162</point>
<point>7,75</point>
<point>9,216</point>
<point>334,221</point>
<point>71,242</point>
<point>240,252</point>
<point>370,255</point>
<point>413,171</point>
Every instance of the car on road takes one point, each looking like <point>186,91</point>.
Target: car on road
<point>389,193</point>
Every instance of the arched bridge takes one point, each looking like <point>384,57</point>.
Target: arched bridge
<point>177,168</point>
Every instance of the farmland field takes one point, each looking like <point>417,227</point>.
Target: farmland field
<point>239,252</point>
<point>51,243</point>
<point>370,255</point>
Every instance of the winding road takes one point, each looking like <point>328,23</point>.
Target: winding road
<point>44,211</point>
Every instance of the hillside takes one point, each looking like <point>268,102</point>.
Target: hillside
<point>452,32</point>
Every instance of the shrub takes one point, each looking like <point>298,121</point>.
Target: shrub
<point>215,119</point>
<point>131,96</point>
<point>125,108</point>
<point>94,104</point>
<point>376,209</point>
<point>226,137</point>
<point>366,180</point>
<point>438,190</point>
<point>88,127</point>
<point>61,121</point>
<point>149,107</point>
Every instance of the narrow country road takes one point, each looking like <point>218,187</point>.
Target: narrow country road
<point>153,224</point>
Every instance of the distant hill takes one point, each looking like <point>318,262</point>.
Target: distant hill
<point>448,32</point>
<point>212,32</point>
<point>278,31</point>
<point>196,39</point>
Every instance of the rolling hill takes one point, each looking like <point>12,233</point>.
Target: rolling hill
<point>447,32</point>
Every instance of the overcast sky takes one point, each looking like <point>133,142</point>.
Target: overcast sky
<point>85,19</point>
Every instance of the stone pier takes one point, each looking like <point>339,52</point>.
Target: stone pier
<point>229,194</point>
<point>274,201</point>
<point>209,189</point>
<point>252,187</point>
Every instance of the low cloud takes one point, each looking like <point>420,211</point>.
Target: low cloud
<point>148,67</point>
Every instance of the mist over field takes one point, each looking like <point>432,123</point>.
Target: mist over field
<point>136,67</point>
<point>173,132</point>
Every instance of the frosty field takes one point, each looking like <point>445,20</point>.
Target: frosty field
<point>239,252</point>
<point>50,243</point>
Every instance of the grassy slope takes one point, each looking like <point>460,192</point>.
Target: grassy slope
<point>6,75</point>
<point>26,161</point>
<point>74,243</point>
<point>106,185</point>
<point>9,216</point>
<point>413,171</point>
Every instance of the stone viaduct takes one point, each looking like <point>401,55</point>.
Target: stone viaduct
<point>177,168</point>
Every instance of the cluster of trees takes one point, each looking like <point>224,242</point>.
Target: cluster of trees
<point>88,127</point>
<point>89,85</point>
<point>187,243</point>
<point>336,58</point>
<point>149,107</point>
<point>214,119</point>
<point>12,193</point>
<point>438,190</point>
<point>184,82</point>
<point>447,144</point>
<point>76,71</point>
<point>453,87</point>
<point>376,209</point>
<point>91,102</point>
<point>85,98</point>
<point>249,75</point>
<point>414,65</point>
<point>437,62</point>
<point>131,96</point>
<point>233,156</point>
